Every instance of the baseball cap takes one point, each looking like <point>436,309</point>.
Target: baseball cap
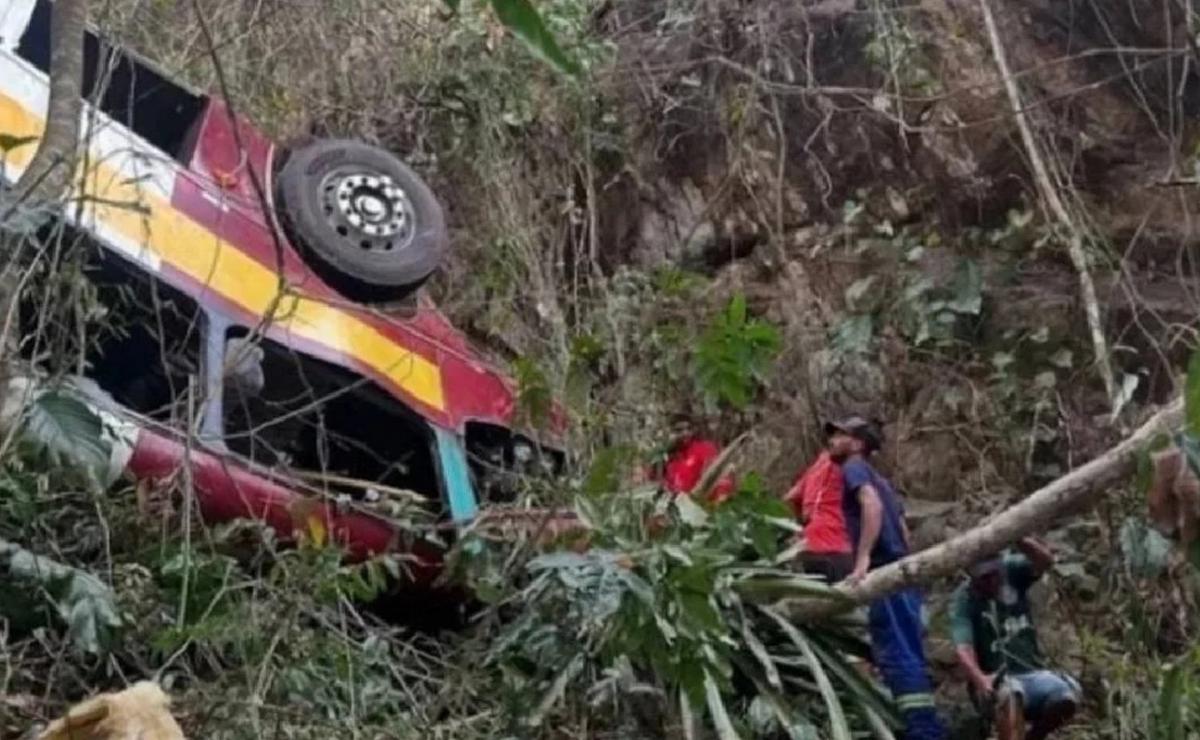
<point>859,428</point>
<point>985,567</point>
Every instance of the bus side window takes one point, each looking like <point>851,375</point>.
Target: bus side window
<point>137,339</point>
<point>14,17</point>
<point>123,85</point>
<point>323,422</point>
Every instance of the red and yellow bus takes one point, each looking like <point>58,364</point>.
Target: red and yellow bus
<point>266,299</point>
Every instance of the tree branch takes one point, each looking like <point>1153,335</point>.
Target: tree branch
<point>1035,514</point>
<point>49,174</point>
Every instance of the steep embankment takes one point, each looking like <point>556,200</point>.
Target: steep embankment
<point>854,169</point>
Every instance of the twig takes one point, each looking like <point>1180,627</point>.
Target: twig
<point>1057,208</point>
<point>323,477</point>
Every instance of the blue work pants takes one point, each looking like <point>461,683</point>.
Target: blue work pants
<point>896,631</point>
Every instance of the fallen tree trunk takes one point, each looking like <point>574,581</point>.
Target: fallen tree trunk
<point>1035,514</point>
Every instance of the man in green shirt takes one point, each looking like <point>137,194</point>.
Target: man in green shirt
<point>997,645</point>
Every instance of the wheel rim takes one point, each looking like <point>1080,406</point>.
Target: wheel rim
<point>368,210</point>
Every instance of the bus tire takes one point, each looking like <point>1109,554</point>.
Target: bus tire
<point>364,221</point>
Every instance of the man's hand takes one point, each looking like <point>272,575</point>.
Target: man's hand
<point>860,571</point>
<point>985,684</point>
<point>1040,556</point>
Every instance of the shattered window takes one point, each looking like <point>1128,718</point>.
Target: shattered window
<point>500,460</point>
<point>322,423</point>
<point>135,338</point>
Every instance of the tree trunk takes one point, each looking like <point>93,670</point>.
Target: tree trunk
<point>1075,490</point>
<point>49,174</point>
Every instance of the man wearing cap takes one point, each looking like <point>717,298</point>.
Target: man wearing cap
<point>875,522</point>
<point>816,499</point>
<point>998,649</point>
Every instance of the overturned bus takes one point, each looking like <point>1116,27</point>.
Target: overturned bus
<point>262,329</point>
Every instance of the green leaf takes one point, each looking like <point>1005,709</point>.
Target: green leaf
<point>759,651</point>
<point>795,723</point>
<point>1189,444</point>
<point>453,5</point>
<point>556,690</point>
<point>716,709</point>
<point>766,589</point>
<point>534,398</point>
<point>733,355</point>
<point>857,291</point>
<point>687,716</point>
<point>83,602</point>
<point>878,727</point>
<point>870,700</point>
<point>1192,394</point>
<point>968,289</point>
<point>520,17</point>
<point>737,310</point>
<point>1169,717</point>
<point>698,610</point>
<point>1147,553</point>
<point>608,466</point>
<point>853,335</point>
<point>690,512</point>
<point>65,430</point>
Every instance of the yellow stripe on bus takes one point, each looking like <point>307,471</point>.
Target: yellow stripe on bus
<point>197,252</point>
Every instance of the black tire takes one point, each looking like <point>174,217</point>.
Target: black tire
<point>363,220</point>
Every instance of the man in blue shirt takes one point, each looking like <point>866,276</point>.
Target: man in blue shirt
<point>875,521</point>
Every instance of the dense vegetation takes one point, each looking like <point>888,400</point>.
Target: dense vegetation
<point>735,216</point>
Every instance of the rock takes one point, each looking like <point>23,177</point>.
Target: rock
<point>931,466</point>
<point>140,712</point>
<point>919,510</point>
<point>928,533</point>
<point>1088,587</point>
<point>678,230</point>
<point>1081,534</point>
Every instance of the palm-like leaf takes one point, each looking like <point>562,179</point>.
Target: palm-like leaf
<point>839,728</point>
<point>690,609</point>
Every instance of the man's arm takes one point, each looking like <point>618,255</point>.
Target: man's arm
<point>962,632</point>
<point>872,522</point>
<point>1040,556</point>
<point>970,663</point>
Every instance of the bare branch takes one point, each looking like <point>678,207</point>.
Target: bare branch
<point>1050,195</point>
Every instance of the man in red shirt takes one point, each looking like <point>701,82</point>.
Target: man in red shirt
<point>686,465</point>
<point>816,497</point>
